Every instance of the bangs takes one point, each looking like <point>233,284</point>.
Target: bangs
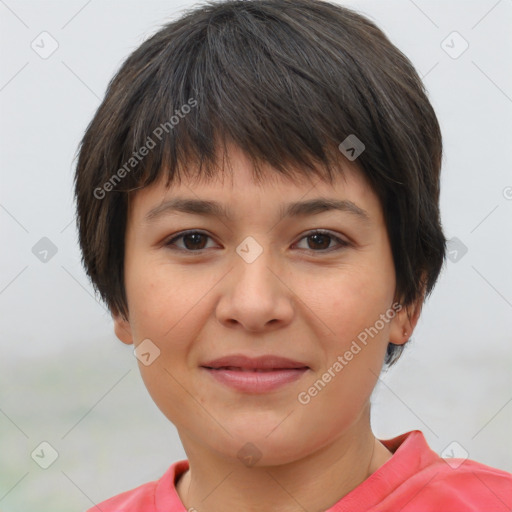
<point>258,88</point>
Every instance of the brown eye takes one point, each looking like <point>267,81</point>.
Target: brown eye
<point>320,241</point>
<point>196,241</point>
<point>193,241</point>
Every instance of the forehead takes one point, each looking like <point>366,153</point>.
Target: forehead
<point>238,188</point>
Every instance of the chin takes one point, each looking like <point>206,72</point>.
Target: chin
<point>259,447</point>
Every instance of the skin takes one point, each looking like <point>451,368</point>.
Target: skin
<point>302,298</point>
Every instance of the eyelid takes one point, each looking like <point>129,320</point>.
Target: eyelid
<point>168,242</point>
<point>341,242</point>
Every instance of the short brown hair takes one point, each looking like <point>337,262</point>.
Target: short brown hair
<point>287,82</point>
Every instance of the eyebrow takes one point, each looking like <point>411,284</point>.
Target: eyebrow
<point>216,209</point>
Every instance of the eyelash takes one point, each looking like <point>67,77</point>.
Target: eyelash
<point>342,243</point>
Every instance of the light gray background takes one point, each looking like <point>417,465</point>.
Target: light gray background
<point>64,377</point>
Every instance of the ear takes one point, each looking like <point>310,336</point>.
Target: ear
<point>404,322</point>
<point>122,328</point>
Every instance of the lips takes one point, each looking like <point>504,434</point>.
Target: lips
<point>239,369</point>
<point>255,375</point>
<point>242,363</point>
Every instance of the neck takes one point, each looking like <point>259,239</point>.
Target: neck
<point>315,482</point>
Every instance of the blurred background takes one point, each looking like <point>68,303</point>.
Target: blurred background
<point>67,382</point>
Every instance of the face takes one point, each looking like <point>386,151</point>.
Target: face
<point>315,286</point>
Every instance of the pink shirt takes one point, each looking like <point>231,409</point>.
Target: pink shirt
<point>414,479</point>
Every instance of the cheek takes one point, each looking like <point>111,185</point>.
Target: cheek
<point>352,300</point>
<point>168,304</point>
<point>166,307</point>
<point>351,357</point>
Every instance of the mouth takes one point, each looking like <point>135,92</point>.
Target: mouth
<point>255,375</point>
<point>253,370</point>
<point>241,362</point>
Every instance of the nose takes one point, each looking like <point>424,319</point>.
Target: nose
<point>255,295</point>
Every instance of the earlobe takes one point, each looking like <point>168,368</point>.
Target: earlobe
<point>122,328</point>
<point>404,323</point>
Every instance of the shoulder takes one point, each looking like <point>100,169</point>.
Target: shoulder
<point>416,478</point>
<point>471,483</point>
<point>152,496</point>
<point>453,485</point>
<point>140,498</point>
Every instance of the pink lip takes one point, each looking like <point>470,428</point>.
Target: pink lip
<point>255,375</point>
<point>266,362</point>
